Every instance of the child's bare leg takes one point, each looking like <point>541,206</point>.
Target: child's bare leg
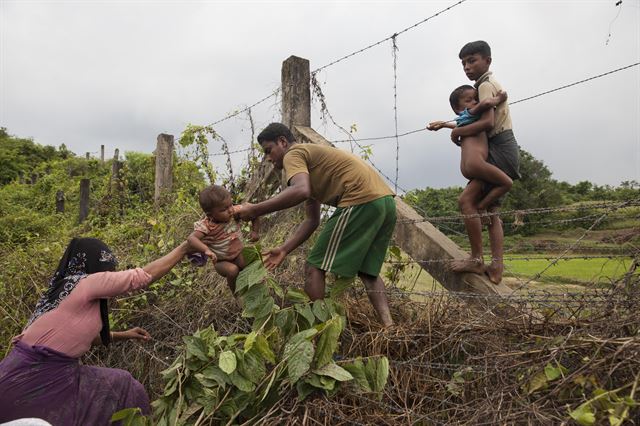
<point>474,165</point>
<point>467,203</point>
<point>230,271</point>
<point>496,237</point>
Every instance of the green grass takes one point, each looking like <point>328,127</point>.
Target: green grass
<point>595,270</point>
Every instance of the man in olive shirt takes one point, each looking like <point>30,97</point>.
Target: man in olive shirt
<point>355,238</point>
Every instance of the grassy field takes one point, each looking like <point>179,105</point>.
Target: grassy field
<point>566,275</point>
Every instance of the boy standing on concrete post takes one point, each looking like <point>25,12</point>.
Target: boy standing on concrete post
<point>355,238</point>
<point>503,153</point>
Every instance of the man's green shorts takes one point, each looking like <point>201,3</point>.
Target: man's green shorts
<point>355,238</point>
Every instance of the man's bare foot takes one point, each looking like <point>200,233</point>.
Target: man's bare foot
<point>494,271</point>
<point>472,264</point>
<point>485,219</point>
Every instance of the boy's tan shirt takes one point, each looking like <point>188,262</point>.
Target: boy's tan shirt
<point>338,178</point>
<point>487,87</point>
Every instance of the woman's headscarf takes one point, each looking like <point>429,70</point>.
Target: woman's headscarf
<point>83,256</point>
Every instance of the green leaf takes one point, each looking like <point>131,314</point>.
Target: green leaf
<point>296,296</point>
<point>552,372</point>
<point>382,373</point>
<point>300,361</point>
<point>227,362</point>
<point>340,286</point>
<point>356,368</point>
<point>306,312</point>
<point>304,390</point>
<point>336,372</point>
<point>241,383</point>
<point>251,254</point>
<point>584,415</point>
<point>321,382</point>
<point>275,287</point>
<point>215,373</point>
<point>328,342</point>
<point>296,339</point>
<point>127,413</point>
<point>320,310</point>
<point>252,367</point>
<point>537,382</point>
<point>249,276</point>
<point>263,348</point>
<point>248,343</point>
<point>195,347</point>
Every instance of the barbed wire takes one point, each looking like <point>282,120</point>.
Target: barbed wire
<point>387,38</point>
<point>537,210</point>
<point>518,258</point>
<point>422,129</point>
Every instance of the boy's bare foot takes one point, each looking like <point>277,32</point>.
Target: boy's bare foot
<point>485,220</point>
<point>472,264</point>
<point>494,271</point>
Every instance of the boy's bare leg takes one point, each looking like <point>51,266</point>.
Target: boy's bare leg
<point>496,237</point>
<point>473,225</point>
<point>230,271</point>
<point>314,283</point>
<point>377,297</point>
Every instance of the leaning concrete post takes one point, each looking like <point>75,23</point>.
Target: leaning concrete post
<point>164,168</point>
<point>84,199</point>
<point>60,201</point>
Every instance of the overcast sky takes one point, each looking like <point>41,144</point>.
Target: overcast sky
<point>118,73</point>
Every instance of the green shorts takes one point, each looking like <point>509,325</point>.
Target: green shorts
<point>355,239</point>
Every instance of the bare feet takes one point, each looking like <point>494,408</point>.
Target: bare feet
<point>494,271</point>
<point>485,219</point>
<point>472,264</point>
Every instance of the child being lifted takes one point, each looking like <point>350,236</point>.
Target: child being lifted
<point>218,235</point>
<point>475,148</point>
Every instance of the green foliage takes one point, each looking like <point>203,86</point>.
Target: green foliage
<point>239,377</point>
<point>23,156</point>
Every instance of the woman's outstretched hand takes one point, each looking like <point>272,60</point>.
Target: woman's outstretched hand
<point>138,333</point>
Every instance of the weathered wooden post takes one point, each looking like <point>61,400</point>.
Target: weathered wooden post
<point>85,185</point>
<point>296,111</point>
<point>164,169</point>
<point>60,201</point>
<point>87,155</point>
<point>102,153</point>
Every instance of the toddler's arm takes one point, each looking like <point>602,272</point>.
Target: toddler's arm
<point>437,125</point>
<point>195,241</point>
<point>488,103</point>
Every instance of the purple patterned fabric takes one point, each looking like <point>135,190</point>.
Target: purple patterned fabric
<point>36,381</point>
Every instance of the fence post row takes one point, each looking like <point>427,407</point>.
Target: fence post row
<point>164,169</point>
<point>85,185</point>
<point>60,201</point>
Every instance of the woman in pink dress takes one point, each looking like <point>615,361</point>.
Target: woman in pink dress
<point>42,376</point>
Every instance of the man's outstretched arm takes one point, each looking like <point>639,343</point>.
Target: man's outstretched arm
<point>299,190</point>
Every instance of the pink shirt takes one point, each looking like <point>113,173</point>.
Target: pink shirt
<point>71,327</point>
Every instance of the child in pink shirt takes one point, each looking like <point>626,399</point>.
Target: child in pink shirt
<point>218,235</point>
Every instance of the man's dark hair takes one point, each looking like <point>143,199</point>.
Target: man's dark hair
<point>273,131</point>
<point>454,97</point>
<point>480,46</point>
<point>211,196</point>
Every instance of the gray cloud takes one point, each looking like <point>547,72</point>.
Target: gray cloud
<point>91,73</point>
